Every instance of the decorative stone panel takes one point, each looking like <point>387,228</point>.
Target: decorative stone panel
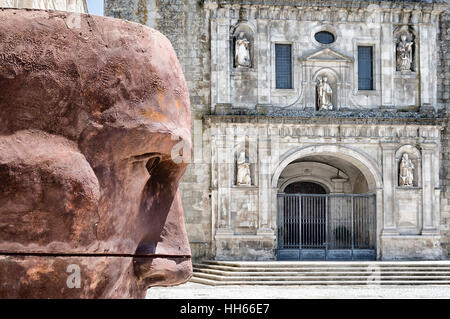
<point>379,25</point>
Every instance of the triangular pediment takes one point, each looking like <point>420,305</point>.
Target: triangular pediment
<point>328,55</point>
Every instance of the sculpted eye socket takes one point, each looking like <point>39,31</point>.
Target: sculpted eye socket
<point>143,157</point>
<point>151,161</point>
<point>152,164</point>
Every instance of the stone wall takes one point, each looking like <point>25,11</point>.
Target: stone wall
<point>186,25</point>
<point>406,217</point>
<point>444,99</point>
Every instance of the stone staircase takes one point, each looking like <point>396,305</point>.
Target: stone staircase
<point>222,273</point>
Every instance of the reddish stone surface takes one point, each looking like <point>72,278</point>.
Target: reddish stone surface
<point>90,111</point>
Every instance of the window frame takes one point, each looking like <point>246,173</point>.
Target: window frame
<point>372,47</point>
<point>376,67</point>
<point>290,44</point>
<point>325,32</point>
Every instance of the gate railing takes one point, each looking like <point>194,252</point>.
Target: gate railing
<point>328,222</point>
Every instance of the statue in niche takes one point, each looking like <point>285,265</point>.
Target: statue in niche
<point>406,171</point>
<point>242,52</point>
<point>243,171</point>
<point>404,54</point>
<point>324,95</point>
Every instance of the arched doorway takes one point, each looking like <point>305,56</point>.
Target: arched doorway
<point>303,218</point>
<point>305,188</point>
<point>326,210</point>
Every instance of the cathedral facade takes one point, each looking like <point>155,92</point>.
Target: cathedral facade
<point>320,128</point>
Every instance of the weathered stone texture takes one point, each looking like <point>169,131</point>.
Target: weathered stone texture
<point>412,248</point>
<point>200,32</point>
<point>89,116</point>
<point>185,24</point>
<point>443,88</point>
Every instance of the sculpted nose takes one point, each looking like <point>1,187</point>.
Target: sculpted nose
<point>163,257</point>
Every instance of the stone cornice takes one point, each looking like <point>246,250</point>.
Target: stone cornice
<point>328,10</point>
<point>383,130</point>
<point>434,5</point>
<point>354,120</point>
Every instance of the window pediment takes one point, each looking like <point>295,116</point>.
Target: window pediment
<point>327,55</point>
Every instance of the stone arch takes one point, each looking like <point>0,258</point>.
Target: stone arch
<point>359,161</point>
<point>244,26</point>
<point>327,71</point>
<point>410,149</point>
<point>368,168</point>
<point>313,179</point>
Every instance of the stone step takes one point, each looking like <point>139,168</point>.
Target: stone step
<point>316,283</point>
<point>315,264</point>
<point>320,273</point>
<point>319,278</point>
<point>323,268</point>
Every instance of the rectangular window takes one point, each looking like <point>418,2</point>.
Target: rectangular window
<point>365,68</point>
<point>283,66</point>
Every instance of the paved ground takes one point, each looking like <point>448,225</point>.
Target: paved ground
<point>198,291</point>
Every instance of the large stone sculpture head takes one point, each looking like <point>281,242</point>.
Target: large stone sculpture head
<point>94,130</point>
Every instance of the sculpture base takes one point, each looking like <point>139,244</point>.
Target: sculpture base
<point>86,277</point>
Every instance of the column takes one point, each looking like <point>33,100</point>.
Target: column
<point>263,54</point>
<point>428,184</point>
<point>220,56</point>
<point>389,171</point>
<point>387,65</point>
<point>426,67</point>
<point>224,180</point>
<point>264,180</point>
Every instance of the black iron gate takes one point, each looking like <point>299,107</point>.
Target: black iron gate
<point>326,227</point>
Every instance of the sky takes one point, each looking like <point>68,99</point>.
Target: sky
<point>95,7</point>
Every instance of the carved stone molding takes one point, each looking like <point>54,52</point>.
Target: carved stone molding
<point>342,11</point>
<point>390,132</point>
<point>410,123</point>
<point>327,66</point>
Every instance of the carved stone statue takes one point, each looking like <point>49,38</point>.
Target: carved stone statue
<point>324,95</point>
<point>242,54</point>
<point>243,171</point>
<point>406,177</point>
<point>404,54</point>
<point>89,201</point>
